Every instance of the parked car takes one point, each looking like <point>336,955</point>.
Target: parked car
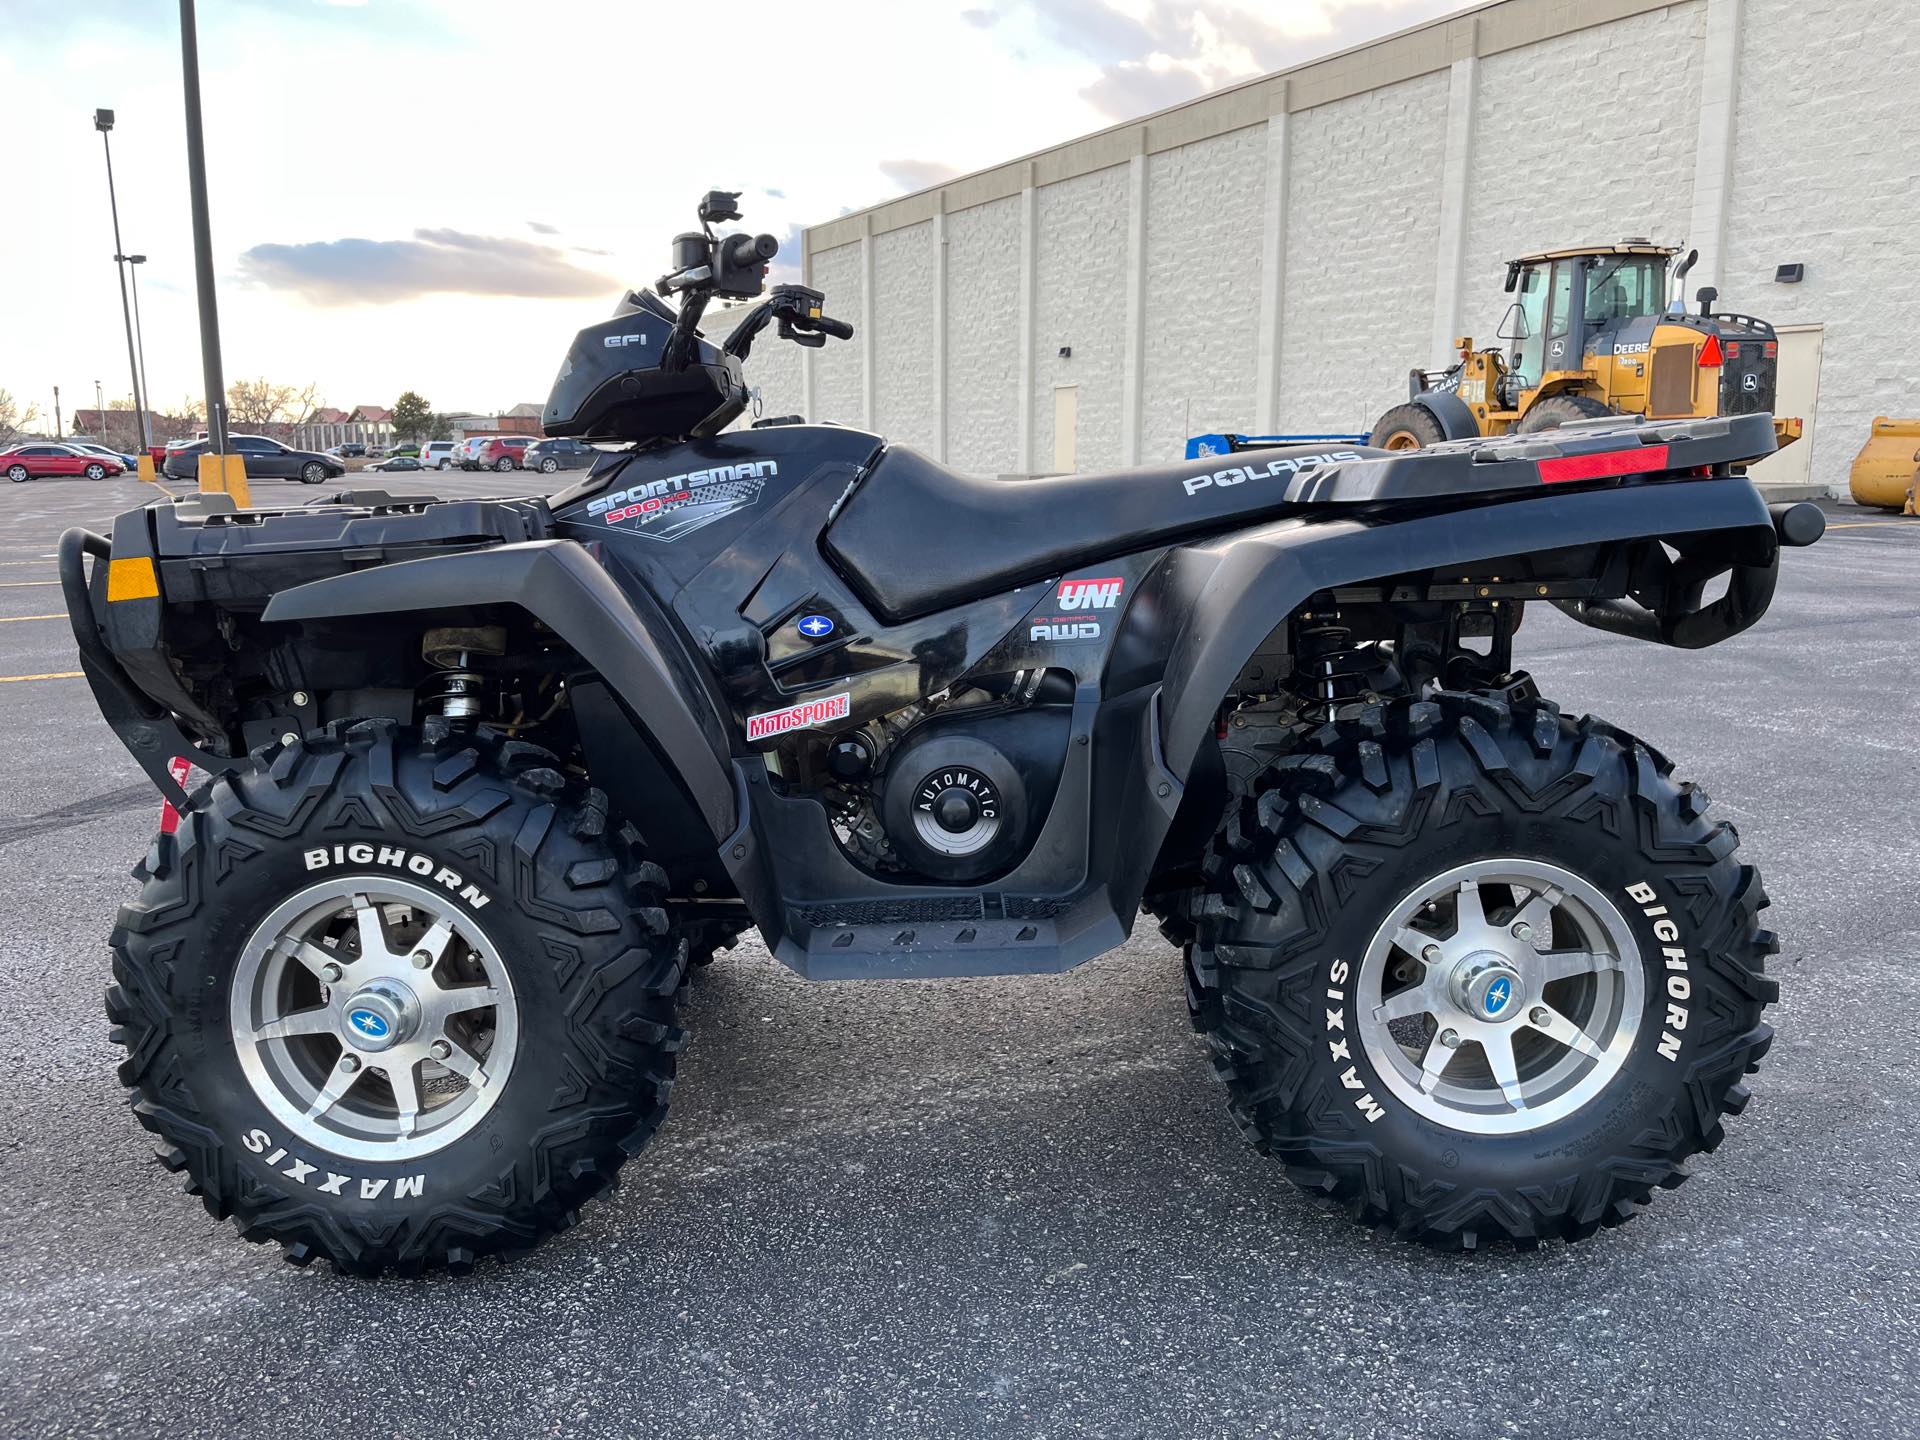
<point>412,450</point>
<point>351,448</point>
<point>397,462</point>
<point>467,456</point>
<point>265,459</point>
<point>504,452</point>
<point>550,455</point>
<point>33,459</point>
<point>438,455</point>
<point>129,461</point>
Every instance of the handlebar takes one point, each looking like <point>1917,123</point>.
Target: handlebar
<point>838,329</point>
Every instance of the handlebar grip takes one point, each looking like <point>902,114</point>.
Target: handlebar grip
<point>839,329</point>
<point>751,249</point>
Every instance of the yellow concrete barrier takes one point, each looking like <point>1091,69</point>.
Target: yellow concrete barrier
<point>1888,465</point>
<point>146,469</point>
<point>225,474</point>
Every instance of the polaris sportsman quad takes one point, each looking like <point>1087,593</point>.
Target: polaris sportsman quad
<point>485,777</point>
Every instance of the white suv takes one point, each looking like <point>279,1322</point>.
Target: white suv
<point>437,455</point>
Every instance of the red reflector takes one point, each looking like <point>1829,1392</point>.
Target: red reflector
<point>1710,352</point>
<point>1602,464</point>
<point>179,767</point>
<point>1772,349</point>
<point>1733,349</point>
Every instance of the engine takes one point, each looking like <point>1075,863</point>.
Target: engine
<point>953,789</point>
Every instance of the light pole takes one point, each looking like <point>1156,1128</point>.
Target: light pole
<point>103,122</point>
<point>57,431</point>
<point>139,336</point>
<point>202,235</point>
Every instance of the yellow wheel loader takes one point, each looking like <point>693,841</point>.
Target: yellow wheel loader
<point>1592,331</point>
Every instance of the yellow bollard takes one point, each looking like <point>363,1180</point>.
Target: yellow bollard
<point>225,474</point>
<point>146,469</point>
<point>1888,466</point>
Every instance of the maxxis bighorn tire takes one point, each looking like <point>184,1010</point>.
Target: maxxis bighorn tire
<point>1306,869</point>
<point>1406,427</point>
<point>1557,410</point>
<point>572,911</point>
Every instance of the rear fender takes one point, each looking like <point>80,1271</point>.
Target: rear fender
<point>1239,588</point>
<point>624,638</point>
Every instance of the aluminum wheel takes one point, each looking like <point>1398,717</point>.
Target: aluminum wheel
<point>1500,996</point>
<point>372,1019</point>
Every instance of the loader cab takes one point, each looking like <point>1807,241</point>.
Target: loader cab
<point>1563,300</point>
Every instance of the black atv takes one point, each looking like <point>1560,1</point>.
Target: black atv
<point>485,777</point>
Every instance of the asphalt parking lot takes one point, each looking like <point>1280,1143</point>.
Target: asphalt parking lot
<point>1017,1207</point>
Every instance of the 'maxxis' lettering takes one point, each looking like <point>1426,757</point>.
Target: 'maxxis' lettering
<point>799,717</point>
<point>405,1187</point>
<point>1285,465</point>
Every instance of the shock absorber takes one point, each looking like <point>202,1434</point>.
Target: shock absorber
<point>1332,667</point>
<point>457,692</point>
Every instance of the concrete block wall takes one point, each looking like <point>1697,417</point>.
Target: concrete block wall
<point>1826,172</point>
<point>1582,139</point>
<point>1362,223</point>
<point>1204,205</point>
<point>1078,302</point>
<point>902,321</point>
<point>983,337</point>
<point>1284,251</point>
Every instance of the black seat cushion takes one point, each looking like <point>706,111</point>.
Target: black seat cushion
<point>915,537</point>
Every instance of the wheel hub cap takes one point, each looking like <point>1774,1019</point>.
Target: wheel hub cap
<point>1488,987</point>
<point>381,1016</point>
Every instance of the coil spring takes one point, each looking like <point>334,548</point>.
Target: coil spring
<point>1334,667</point>
<point>458,693</point>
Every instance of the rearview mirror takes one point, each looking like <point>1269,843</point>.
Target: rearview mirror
<point>1513,326</point>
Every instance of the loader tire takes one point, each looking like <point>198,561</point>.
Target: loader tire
<point>1338,949</point>
<point>1557,410</point>
<point>286,948</point>
<point>1406,427</point>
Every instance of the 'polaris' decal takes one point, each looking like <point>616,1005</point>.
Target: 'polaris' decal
<point>1286,465</point>
<point>799,717</point>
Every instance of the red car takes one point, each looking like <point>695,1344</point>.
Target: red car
<point>505,452</point>
<point>35,458</point>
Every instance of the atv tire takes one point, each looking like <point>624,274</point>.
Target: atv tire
<point>1406,427</point>
<point>1312,871</point>
<point>1556,410</point>
<point>518,860</point>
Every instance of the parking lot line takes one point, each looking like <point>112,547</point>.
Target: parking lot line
<point>50,675</point>
<point>15,619</point>
<point>23,584</point>
<point>1869,524</point>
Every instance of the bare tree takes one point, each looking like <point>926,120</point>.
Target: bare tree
<point>15,417</point>
<point>255,404</point>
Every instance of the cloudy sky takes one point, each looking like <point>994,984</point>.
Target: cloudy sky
<point>435,194</point>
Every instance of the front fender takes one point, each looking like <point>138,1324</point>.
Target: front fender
<point>561,585</point>
<point>1239,587</point>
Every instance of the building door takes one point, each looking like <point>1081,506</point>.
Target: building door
<point>1066,427</point>
<point>1797,392</point>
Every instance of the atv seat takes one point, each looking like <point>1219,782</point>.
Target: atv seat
<point>916,537</point>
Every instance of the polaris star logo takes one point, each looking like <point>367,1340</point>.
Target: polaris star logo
<point>1090,594</point>
<point>369,1023</point>
<point>815,627</point>
<point>1499,993</point>
<point>1286,465</point>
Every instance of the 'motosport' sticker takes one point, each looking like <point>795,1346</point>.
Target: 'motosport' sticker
<point>799,717</point>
